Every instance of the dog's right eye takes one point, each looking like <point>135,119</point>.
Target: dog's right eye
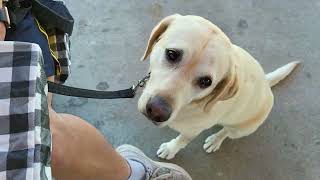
<point>204,82</point>
<point>173,55</point>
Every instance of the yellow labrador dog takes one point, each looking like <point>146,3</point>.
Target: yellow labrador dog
<point>199,78</point>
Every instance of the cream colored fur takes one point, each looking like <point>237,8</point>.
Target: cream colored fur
<point>239,99</point>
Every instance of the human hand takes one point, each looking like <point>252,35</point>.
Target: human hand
<point>2,31</point>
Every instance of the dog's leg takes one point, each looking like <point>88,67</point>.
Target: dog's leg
<point>169,149</point>
<point>214,141</point>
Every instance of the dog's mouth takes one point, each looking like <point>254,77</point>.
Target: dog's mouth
<point>157,123</point>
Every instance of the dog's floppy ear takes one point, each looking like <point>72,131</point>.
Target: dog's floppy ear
<point>157,32</point>
<point>225,89</point>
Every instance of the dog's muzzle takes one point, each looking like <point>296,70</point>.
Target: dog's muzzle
<point>158,109</point>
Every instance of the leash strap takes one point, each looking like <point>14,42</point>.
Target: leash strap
<point>87,93</point>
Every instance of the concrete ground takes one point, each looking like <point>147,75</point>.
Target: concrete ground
<point>110,36</point>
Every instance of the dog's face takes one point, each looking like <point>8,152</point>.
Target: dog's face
<point>189,59</point>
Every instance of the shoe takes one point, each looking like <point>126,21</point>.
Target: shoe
<point>154,170</point>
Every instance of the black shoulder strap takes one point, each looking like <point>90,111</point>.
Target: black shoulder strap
<point>86,93</point>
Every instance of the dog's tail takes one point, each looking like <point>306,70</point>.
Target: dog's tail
<point>276,76</point>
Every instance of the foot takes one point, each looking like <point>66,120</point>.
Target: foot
<point>214,141</point>
<point>168,150</point>
<point>154,170</point>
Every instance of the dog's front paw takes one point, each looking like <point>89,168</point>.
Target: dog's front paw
<point>167,150</point>
<point>212,143</point>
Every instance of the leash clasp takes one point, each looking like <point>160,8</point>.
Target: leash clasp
<point>141,83</point>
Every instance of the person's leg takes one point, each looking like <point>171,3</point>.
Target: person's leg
<point>79,151</point>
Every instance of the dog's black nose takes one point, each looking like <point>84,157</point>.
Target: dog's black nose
<point>158,109</point>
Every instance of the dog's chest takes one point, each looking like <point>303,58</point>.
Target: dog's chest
<point>192,121</point>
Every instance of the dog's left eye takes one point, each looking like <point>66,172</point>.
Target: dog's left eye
<point>204,82</point>
<point>173,55</point>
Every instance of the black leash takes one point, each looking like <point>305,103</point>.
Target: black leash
<point>87,93</point>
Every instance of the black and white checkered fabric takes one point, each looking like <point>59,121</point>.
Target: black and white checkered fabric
<point>25,138</point>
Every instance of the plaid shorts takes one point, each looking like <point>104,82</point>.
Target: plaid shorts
<point>25,137</point>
